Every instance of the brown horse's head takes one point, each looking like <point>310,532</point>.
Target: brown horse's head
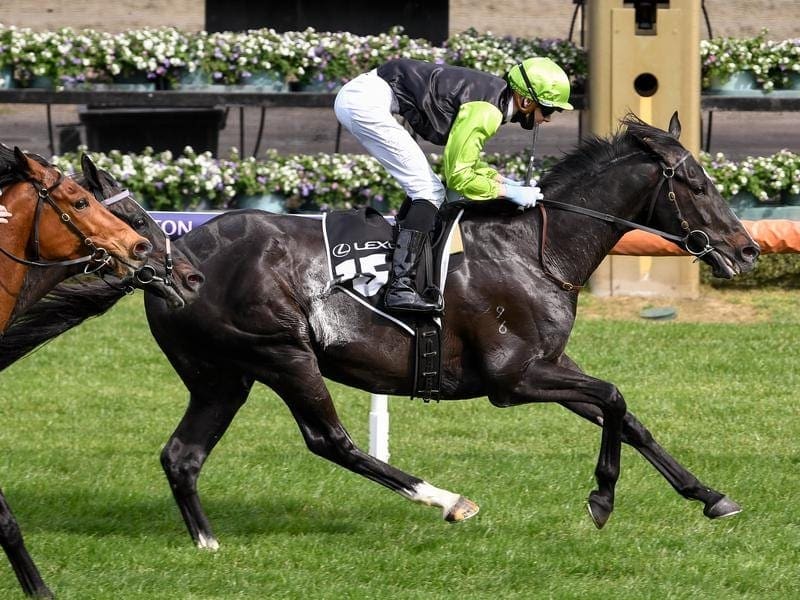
<point>64,221</point>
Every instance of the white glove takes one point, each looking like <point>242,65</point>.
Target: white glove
<point>524,195</point>
<point>3,214</point>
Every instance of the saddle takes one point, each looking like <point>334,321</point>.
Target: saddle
<point>358,247</point>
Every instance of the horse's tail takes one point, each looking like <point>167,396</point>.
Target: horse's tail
<point>67,305</point>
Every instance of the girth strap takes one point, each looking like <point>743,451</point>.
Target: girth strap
<point>428,359</point>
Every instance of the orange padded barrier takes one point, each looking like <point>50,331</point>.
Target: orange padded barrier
<point>774,237</point>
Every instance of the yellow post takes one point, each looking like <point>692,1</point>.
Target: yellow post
<point>644,57</point>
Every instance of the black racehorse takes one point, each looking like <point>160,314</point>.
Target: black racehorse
<point>266,313</point>
<point>167,274</point>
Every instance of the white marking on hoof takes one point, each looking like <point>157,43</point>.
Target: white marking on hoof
<point>205,543</point>
<point>425,493</point>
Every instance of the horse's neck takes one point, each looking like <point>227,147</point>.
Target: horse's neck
<point>12,278</point>
<point>21,286</point>
<point>13,239</point>
<point>38,282</point>
<point>567,231</point>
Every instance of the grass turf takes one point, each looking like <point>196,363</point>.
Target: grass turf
<point>84,420</point>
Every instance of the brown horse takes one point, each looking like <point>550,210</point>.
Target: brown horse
<point>59,224</point>
<point>55,222</point>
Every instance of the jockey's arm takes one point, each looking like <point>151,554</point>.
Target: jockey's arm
<point>463,170</point>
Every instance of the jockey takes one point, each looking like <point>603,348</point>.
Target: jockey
<point>459,109</point>
<point>4,214</point>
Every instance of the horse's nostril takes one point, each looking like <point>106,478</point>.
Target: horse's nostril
<point>750,252</point>
<point>142,249</point>
<point>195,280</point>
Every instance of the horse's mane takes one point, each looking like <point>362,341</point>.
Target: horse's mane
<point>594,153</point>
<point>9,169</point>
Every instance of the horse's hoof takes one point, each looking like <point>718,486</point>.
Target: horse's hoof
<point>461,510</point>
<point>42,592</point>
<point>599,509</point>
<point>724,507</point>
<point>207,543</point>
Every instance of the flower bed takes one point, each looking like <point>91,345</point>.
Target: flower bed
<point>770,179</point>
<point>327,59</point>
<point>772,65</point>
<point>332,181</point>
<point>167,55</point>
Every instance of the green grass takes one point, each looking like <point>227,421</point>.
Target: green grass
<point>84,420</point>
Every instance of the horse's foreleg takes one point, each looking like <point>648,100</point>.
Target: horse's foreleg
<point>679,477</point>
<point>21,562</point>
<point>311,405</point>
<point>212,406</point>
<point>542,381</point>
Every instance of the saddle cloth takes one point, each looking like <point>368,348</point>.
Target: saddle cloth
<point>358,246</point>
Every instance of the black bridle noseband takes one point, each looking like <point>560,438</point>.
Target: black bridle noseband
<point>696,241</point>
<point>96,260</point>
<point>147,274</point>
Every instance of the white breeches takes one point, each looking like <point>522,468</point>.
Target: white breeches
<point>364,108</point>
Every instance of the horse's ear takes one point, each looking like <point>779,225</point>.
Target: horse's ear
<point>90,172</point>
<point>675,126</point>
<point>23,164</point>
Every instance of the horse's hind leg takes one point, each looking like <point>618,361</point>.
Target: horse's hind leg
<point>305,394</point>
<point>212,405</point>
<point>21,562</point>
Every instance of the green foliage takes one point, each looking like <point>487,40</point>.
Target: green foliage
<point>772,270</point>
<point>85,417</point>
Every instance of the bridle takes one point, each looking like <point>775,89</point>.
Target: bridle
<point>696,241</point>
<point>96,260</point>
<point>147,274</point>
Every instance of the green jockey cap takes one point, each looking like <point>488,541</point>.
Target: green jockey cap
<point>541,80</point>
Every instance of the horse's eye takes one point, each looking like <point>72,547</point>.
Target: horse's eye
<point>139,223</point>
<point>81,204</point>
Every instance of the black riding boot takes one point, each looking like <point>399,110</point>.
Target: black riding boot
<point>401,292</point>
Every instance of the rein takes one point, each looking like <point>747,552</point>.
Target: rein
<point>98,255</point>
<point>668,174</point>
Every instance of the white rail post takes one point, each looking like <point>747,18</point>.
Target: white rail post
<point>379,427</point>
